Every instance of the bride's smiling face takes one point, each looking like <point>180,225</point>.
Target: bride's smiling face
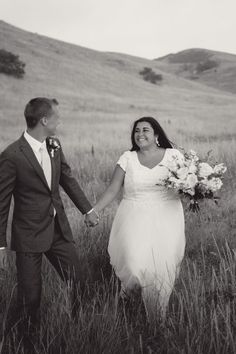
<point>144,135</point>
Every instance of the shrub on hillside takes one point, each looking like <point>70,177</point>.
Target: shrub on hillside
<point>206,65</point>
<point>150,75</point>
<point>10,64</point>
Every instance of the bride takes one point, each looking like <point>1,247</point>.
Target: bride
<point>147,239</point>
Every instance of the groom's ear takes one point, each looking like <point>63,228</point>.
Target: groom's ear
<point>44,121</point>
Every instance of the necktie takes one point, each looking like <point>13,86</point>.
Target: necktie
<point>46,164</point>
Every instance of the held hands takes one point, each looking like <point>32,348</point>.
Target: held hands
<point>3,258</point>
<point>92,219</point>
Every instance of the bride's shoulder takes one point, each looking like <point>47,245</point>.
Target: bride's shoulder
<point>125,159</point>
<point>174,150</point>
<point>128,154</point>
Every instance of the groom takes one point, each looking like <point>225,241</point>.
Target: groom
<point>31,170</point>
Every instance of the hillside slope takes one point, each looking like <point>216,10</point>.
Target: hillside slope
<point>212,68</point>
<point>101,87</point>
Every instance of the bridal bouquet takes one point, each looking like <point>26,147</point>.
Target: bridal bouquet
<point>193,177</point>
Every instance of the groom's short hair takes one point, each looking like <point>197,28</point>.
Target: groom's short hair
<point>38,108</point>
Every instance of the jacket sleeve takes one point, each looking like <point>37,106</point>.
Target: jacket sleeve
<point>72,188</point>
<point>7,185</point>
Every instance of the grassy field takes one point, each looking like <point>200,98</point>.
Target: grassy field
<point>100,96</point>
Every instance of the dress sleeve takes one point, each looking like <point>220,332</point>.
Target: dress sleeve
<point>123,160</point>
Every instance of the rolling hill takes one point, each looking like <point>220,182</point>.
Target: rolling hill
<point>106,91</point>
<point>212,68</point>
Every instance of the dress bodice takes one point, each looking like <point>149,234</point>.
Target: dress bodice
<point>141,182</point>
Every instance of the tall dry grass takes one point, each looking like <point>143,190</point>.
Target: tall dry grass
<point>202,311</point>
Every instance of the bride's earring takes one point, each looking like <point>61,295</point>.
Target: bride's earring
<point>157,142</point>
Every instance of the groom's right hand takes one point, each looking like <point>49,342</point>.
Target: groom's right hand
<point>92,219</point>
<point>3,258</point>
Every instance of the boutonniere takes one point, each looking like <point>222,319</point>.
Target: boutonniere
<point>53,145</point>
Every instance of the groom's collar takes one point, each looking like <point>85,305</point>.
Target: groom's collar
<point>34,143</point>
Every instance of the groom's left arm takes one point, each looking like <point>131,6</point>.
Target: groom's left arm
<point>72,187</point>
<point>7,185</point>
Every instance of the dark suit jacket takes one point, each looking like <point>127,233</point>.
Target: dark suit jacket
<point>22,176</point>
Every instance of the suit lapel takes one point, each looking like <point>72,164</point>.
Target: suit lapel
<point>29,154</point>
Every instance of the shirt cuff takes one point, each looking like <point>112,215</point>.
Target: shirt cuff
<point>90,211</point>
<point>2,248</point>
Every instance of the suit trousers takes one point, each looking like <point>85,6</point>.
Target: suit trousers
<point>63,256</point>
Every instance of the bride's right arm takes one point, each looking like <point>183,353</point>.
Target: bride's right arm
<point>112,190</point>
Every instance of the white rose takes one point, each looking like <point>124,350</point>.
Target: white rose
<point>173,180</point>
<point>205,169</point>
<point>179,184</point>
<point>191,181</point>
<point>193,155</point>
<point>192,152</point>
<point>220,168</point>
<point>214,184</point>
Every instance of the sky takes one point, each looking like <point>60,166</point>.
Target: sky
<point>144,28</point>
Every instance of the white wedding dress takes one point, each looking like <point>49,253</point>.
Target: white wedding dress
<point>147,239</point>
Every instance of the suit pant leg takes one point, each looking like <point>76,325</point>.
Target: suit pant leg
<point>63,256</point>
<point>29,285</point>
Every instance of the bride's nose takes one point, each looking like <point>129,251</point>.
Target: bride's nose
<point>140,134</point>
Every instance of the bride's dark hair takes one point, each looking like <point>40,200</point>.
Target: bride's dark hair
<point>162,138</point>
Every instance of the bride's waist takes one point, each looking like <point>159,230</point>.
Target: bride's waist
<point>151,197</point>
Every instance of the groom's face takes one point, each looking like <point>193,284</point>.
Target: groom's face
<point>53,121</point>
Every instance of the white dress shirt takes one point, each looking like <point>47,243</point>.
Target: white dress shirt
<point>35,145</point>
<point>37,148</point>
